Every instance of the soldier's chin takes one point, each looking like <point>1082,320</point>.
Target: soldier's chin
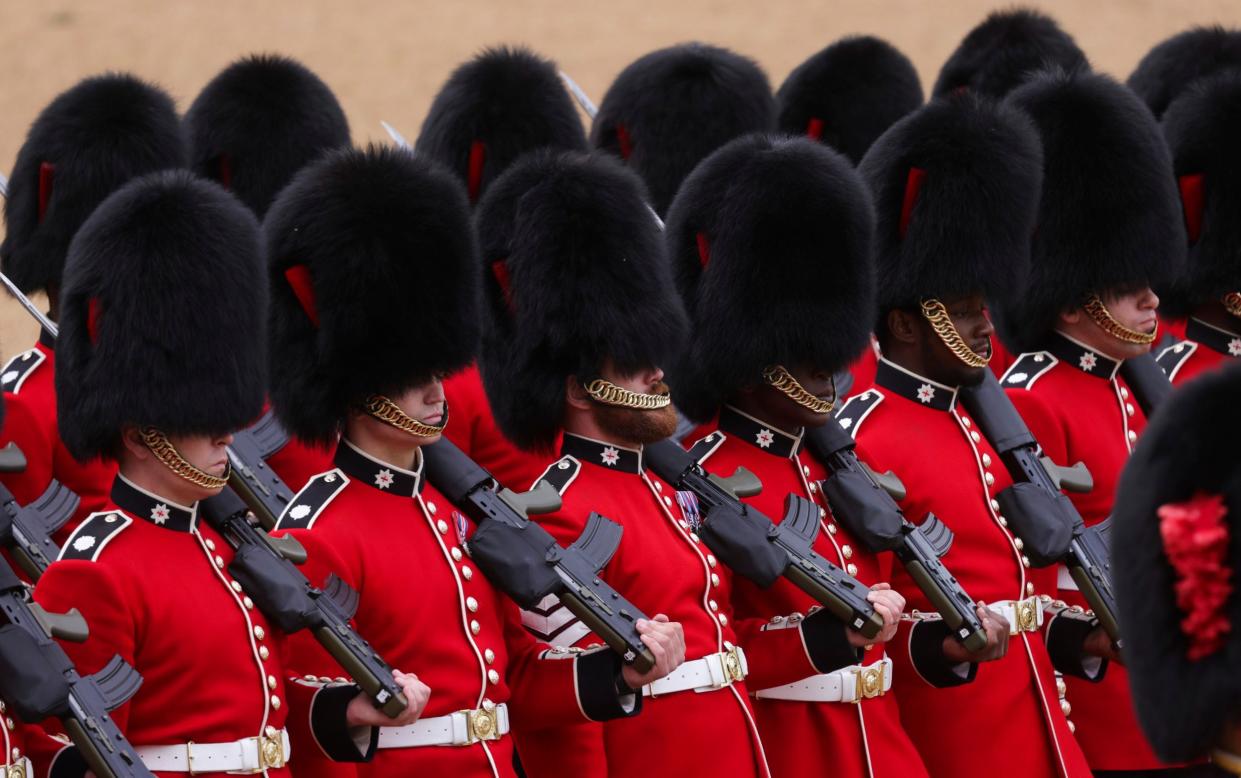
<point>636,426</point>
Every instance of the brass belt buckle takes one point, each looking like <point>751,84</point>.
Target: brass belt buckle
<point>868,683</point>
<point>271,750</point>
<point>482,724</point>
<point>18,770</point>
<point>1026,612</point>
<point>733,671</point>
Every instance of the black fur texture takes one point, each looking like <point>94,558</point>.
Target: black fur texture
<point>857,87</point>
<point>1175,63</point>
<point>509,99</point>
<point>387,241</point>
<point>1202,127</point>
<point>1110,215</point>
<point>1189,447</point>
<point>1004,50</point>
<point>258,122</point>
<point>678,105</point>
<point>969,230</point>
<point>99,134</point>
<point>588,282</point>
<point>176,267</point>
<point>789,278</point>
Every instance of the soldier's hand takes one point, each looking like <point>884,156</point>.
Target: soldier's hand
<point>363,713</point>
<point>1099,643</point>
<point>889,604</point>
<point>997,629</point>
<point>666,640</point>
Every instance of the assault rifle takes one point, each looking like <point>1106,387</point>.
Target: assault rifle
<point>27,530</point>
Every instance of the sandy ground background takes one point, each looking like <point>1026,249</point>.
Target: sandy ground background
<point>386,59</point>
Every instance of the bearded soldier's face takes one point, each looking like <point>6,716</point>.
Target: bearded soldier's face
<point>631,424</point>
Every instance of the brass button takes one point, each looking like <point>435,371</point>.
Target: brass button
<point>275,702</point>
<point>693,536</point>
<point>1129,408</point>
<point>813,488</point>
<point>805,469</point>
<point>1132,436</point>
<point>264,653</point>
<point>713,605</point>
<point>442,526</point>
<point>1003,521</point>
<point>210,544</point>
<point>236,586</point>
<point>822,513</point>
<point>493,676</point>
<point>668,501</point>
<point>1025,561</point>
<point>1061,688</point>
<point>489,655</point>
<point>715,580</point>
<point>249,603</point>
<point>990,479</point>
<point>456,554</point>
<point>475,627</point>
<point>851,569</point>
<point>271,682</point>
<point>831,529</point>
<point>219,561</point>
<point>986,460</point>
<point>1066,707</point>
<point>995,505</point>
<point>1124,393</point>
<point>966,421</point>
<point>974,436</point>
<point>723,619</point>
<point>711,560</point>
<point>472,604</point>
<point>259,633</point>
<point>1019,543</point>
<point>658,486</point>
<point>1029,588</point>
<point>432,509</point>
<point>846,551</point>
<point>466,572</point>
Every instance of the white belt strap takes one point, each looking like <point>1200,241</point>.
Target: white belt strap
<point>20,768</point>
<point>250,755</point>
<point>1022,615</point>
<point>713,671</point>
<point>848,684</point>
<point>1064,579</point>
<point>462,728</point>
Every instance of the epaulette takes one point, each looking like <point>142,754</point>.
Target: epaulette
<point>1174,357</point>
<point>560,473</point>
<point>1028,368</point>
<point>307,504</point>
<point>707,446</point>
<point>88,540</point>
<point>19,368</point>
<point>857,408</point>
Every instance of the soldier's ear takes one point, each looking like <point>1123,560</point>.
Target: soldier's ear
<point>1070,316</point>
<point>576,394</point>
<point>132,446</point>
<point>902,325</point>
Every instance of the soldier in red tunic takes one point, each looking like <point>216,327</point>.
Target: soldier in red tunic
<point>251,128</point>
<point>84,145</point>
<point>582,312</point>
<point>494,108</point>
<point>1197,126</point>
<point>775,270</point>
<point>163,288</point>
<point>1175,562</point>
<point>1109,197</point>
<point>349,242</point>
<point>956,190</point>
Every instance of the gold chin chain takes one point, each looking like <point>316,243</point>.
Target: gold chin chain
<point>783,380</point>
<point>1097,311</point>
<point>609,393</point>
<point>166,453</point>
<point>937,316</point>
<point>387,411</point>
<point>1232,301</point>
<point>1226,760</point>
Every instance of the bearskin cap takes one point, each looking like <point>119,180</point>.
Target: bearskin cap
<point>1175,63</point>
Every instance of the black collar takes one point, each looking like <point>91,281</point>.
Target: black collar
<point>141,504</point>
<point>385,477</point>
<point>1214,338</point>
<point>1082,357</point>
<point>912,386</point>
<point>605,455</point>
<point>47,339</point>
<point>764,437</point>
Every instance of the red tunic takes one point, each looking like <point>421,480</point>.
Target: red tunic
<point>427,610</point>
<point>30,399</point>
<point>297,462</point>
<point>1080,410</point>
<point>1206,348</point>
<point>1009,714</point>
<point>152,581</point>
<point>830,738</point>
<point>472,427</point>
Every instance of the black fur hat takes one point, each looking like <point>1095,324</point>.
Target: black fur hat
<point>575,274</point>
<point>956,191</point>
<point>1175,63</point>
<point>161,315</point>
<point>671,108</point>
<point>84,145</point>
<point>1004,50</point>
<point>493,109</point>
<point>770,242</point>
<point>1188,450</point>
<point>1110,216</point>
<point>848,94</point>
<point>373,267</point>
<point>1202,127</point>
<point>258,122</point>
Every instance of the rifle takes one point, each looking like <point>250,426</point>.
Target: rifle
<point>38,680</point>
<point>1147,380</point>
<point>865,502</point>
<point>263,492</point>
<point>526,562</point>
<point>27,530</point>
<point>756,547</point>
<point>266,569</point>
<point>1050,527</point>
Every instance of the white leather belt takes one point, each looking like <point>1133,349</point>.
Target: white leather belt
<point>1022,615</point>
<point>1064,579</point>
<point>247,756</point>
<point>20,768</point>
<point>462,728</point>
<point>713,671</point>
<point>848,684</point>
